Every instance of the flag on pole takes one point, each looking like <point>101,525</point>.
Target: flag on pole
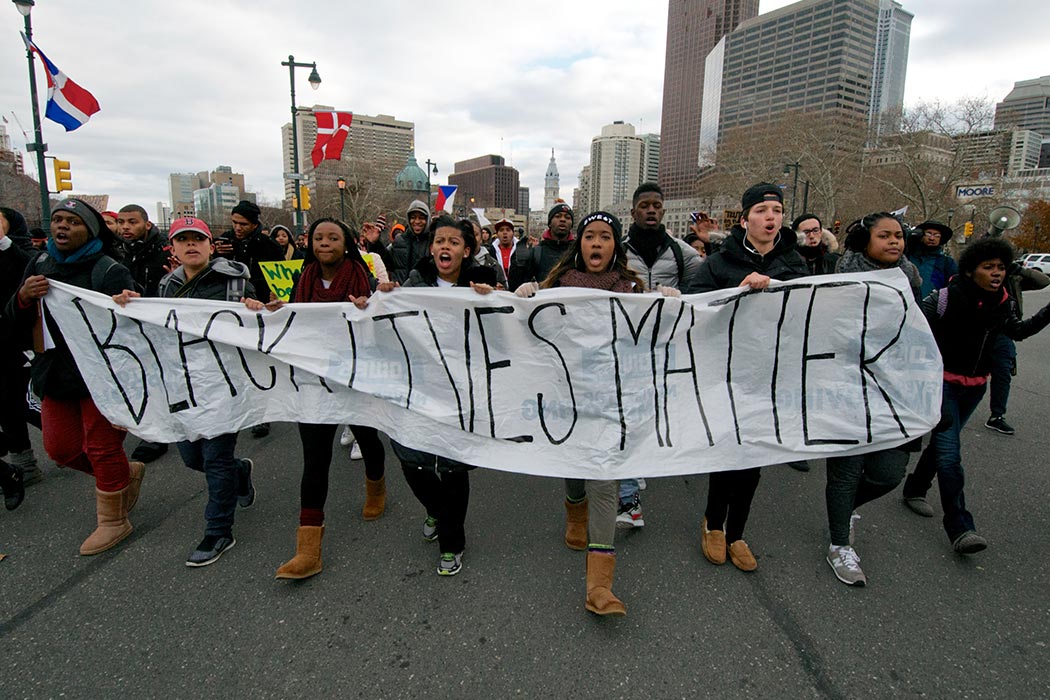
<point>446,193</point>
<point>332,130</point>
<point>482,221</point>
<point>68,104</point>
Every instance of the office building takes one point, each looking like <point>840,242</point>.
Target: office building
<point>889,69</point>
<point>376,147</point>
<point>489,180</point>
<point>693,29</point>
<point>811,56</point>
<point>1027,106</point>
<point>617,165</point>
<point>523,201</point>
<point>650,157</point>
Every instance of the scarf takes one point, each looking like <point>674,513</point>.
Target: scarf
<point>610,280</point>
<point>88,249</point>
<point>351,280</point>
<point>853,261</point>
<point>647,243</point>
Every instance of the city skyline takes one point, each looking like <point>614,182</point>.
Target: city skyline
<point>179,94</point>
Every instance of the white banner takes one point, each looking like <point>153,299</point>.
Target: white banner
<point>573,383</point>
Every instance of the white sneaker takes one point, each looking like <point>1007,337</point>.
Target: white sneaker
<point>845,562</point>
<point>347,437</point>
<point>355,452</point>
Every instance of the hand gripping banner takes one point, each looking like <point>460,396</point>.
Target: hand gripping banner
<point>570,383</point>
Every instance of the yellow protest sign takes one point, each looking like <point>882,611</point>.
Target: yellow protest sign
<point>280,276</point>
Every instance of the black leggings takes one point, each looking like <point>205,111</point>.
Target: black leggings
<point>317,458</point>
<point>445,496</point>
<point>729,501</point>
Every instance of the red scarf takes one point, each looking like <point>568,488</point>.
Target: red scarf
<point>350,280</point>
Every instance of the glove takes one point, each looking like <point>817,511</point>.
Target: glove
<point>668,291</point>
<point>527,289</point>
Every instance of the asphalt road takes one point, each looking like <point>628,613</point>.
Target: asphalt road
<point>379,623</point>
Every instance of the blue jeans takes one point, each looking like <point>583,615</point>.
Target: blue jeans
<point>214,456</point>
<point>1004,360</point>
<point>942,458</point>
<point>628,490</point>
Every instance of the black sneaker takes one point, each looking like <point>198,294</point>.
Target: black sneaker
<point>801,465</point>
<point>210,549</point>
<point>261,430</point>
<point>148,452</point>
<point>11,484</point>
<point>245,486</point>
<point>999,424</point>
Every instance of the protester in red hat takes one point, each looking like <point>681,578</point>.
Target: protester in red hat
<point>229,479</point>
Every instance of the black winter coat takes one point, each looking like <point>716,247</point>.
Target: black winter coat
<point>733,262</point>
<point>425,274</point>
<point>967,324</point>
<point>251,251</point>
<point>146,260</point>
<point>406,252</point>
<point>534,264</point>
<point>54,372</point>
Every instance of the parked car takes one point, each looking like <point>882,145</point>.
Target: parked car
<point>1037,261</point>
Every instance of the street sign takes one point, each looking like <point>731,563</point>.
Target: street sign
<point>293,176</point>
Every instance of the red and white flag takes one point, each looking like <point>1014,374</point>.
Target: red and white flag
<point>332,130</point>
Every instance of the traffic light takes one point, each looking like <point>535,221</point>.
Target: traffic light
<point>968,229</point>
<point>304,197</point>
<point>63,180</point>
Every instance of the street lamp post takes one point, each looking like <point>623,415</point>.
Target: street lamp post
<point>796,166</point>
<point>342,188</point>
<point>24,8</point>
<point>431,168</point>
<point>315,82</point>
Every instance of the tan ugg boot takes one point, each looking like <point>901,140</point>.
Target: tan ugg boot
<point>136,470</point>
<point>576,525</point>
<point>600,598</point>
<point>375,498</point>
<point>113,525</point>
<point>307,559</point>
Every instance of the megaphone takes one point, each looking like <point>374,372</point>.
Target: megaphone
<point>1003,218</point>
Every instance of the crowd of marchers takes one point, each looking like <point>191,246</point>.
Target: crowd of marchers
<point>973,307</point>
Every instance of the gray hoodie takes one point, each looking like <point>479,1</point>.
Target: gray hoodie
<point>410,248</point>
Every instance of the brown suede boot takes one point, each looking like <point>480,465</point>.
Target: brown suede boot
<point>113,525</point>
<point>136,470</point>
<point>307,559</point>
<point>600,598</point>
<point>375,498</point>
<point>576,525</point>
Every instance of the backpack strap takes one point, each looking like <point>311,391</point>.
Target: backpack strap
<point>234,289</point>
<point>679,260</point>
<point>942,302</point>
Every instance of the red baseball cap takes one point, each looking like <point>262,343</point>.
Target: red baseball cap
<point>188,223</point>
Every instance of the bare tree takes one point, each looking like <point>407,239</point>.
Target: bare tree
<point>920,166</point>
<point>1034,232</point>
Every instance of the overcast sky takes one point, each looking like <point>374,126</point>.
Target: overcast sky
<point>189,85</point>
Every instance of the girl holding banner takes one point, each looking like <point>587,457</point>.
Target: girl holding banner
<point>875,242</point>
<point>443,485</point>
<point>758,249</point>
<point>596,260</point>
<point>333,272</point>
